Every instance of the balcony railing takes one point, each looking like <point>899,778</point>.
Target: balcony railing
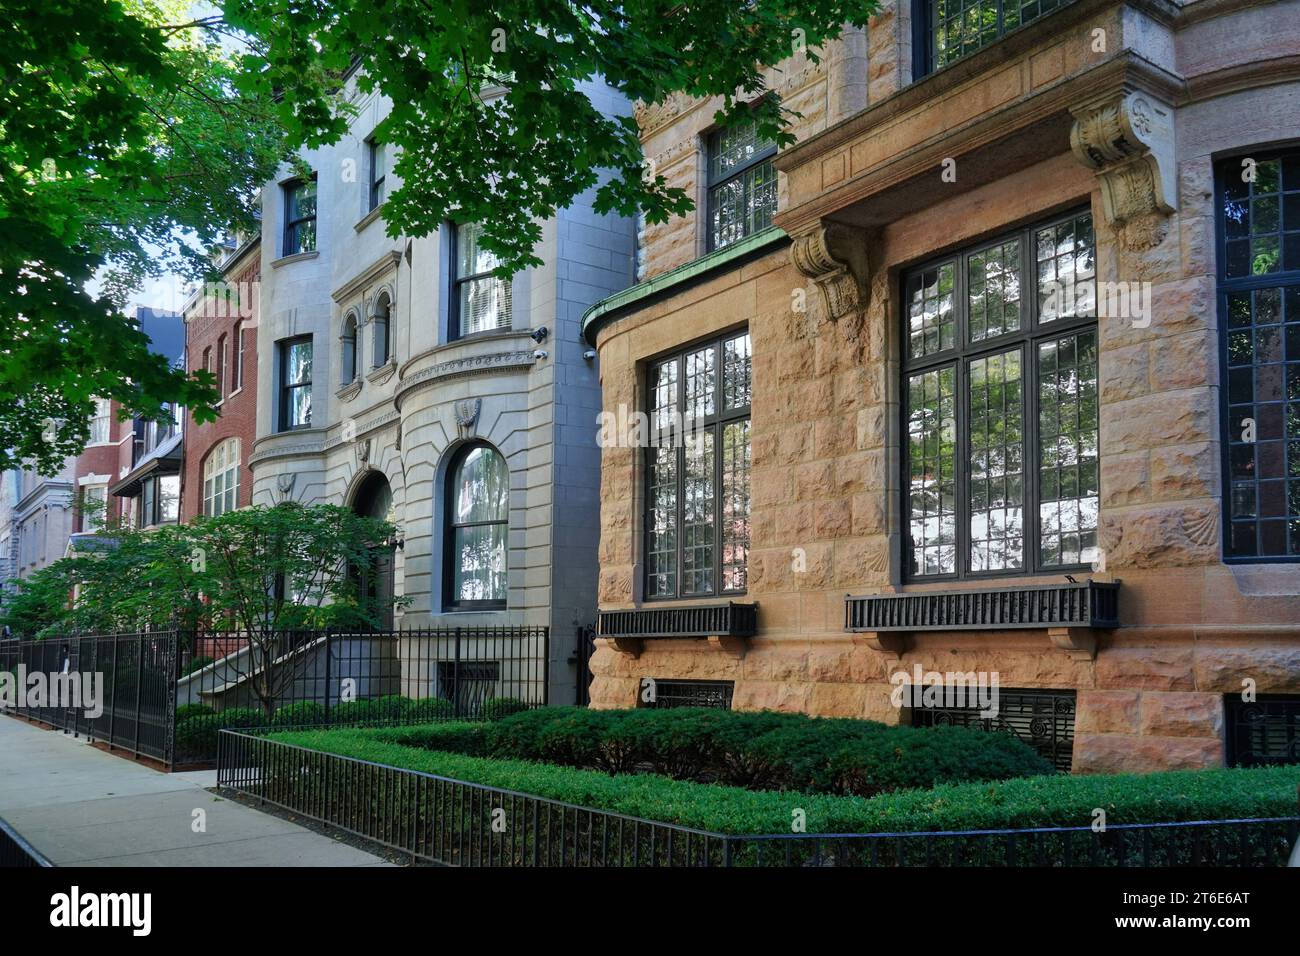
<point>706,620</point>
<point>1091,604</point>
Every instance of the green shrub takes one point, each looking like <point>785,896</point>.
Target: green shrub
<point>1044,801</point>
<point>186,711</point>
<point>196,664</point>
<point>196,735</point>
<point>299,714</point>
<point>494,708</point>
<point>453,736</point>
<point>391,709</point>
<point>762,749</point>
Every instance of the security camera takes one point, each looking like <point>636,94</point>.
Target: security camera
<point>540,354</point>
<point>539,334</point>
<point>589,355</point>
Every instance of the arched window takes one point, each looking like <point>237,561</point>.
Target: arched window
<point>349,351</point>
<point>380,320</point>
<point>478,511</point>
<point>221,479</point>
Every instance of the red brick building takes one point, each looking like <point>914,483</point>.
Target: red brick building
<point>221,336</point>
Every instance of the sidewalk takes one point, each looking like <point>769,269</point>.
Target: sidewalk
<point>83,807</point>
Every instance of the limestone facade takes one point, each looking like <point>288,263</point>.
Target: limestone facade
<point>1118,109</point>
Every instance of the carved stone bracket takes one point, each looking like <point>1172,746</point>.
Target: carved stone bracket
<point>626,645</point>
<point>732,646</point>
<point>892,644</point>
<point>1080,643</point>
<point>834,256</point>
<point>1129,141</point>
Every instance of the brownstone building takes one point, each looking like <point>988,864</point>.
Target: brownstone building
<point>995,371</point>
<point>221,337</point>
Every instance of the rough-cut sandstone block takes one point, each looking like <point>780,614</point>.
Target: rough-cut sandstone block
<point>1182,715</point>
<point>1185,471</point>
<point>1125,480</point>
<point>1106,712</point>
<point>1146,668</point>
<point>1121,753</point>
<point>772,695</point>
<point>1273,669</point>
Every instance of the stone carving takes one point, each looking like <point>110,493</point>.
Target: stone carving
<point>363,451</point>
<point>284,481</point>
<point>1202,527</point>
<point>466,411</point>
<point>1129,142</point>
<point>835,258</point>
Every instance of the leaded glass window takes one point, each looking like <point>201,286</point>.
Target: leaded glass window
<point>1259,287</point>
<point>742,184</point>
<point>698,470</point>
<point>1000,402</point>
<point>957,28</point>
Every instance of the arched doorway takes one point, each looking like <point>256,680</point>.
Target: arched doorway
<point>374,499</point>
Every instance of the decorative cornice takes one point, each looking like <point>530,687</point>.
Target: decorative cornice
<point>461,367</point>
<point>834,257</point>
<point>1128,141</point>
<point>361,428</point>
<point>367,275</point>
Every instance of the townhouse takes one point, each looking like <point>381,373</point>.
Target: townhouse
<point>995,371</point>
<point>402,378</point>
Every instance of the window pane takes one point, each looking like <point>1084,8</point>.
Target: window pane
<point>996,446</point>
<point>663,397</point>
<point>482,487</point>
<point>299,364</point>
<point>1067,270</point>
<point>299,405</point>
<point>479,563</point>
<point>701,383</point>
<point>735,146</point>
<point>661,521</point>
<point>743,205</point>
<point>471,259</point>
<point>736,372</point>
<point>697,513</point>
<point>736,463</point>
<point>960,27</point>
<point>993,290</point>
<point>932,324</point>
<point>169,497</point>
<point>1067,448</point>
<point>932,436</point>
<point>485,304</point>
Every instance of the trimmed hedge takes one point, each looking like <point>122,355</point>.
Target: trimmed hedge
<point>1044,801</point>
<point>759,750</point>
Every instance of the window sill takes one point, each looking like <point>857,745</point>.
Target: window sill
<point>294,257</point>
<point>369,217</point>
<point>349,391</point>
<point>380,375</point>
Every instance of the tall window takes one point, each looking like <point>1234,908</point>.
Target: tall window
<point>379,319</point>
<point>697,470</point>
<point>94,506</point>
<point>1259,293</point>
<point>951,29</point>
<point>349,350</point>
<point>159,501</point>
<point>1000,396</point>
<point>221,366</point>
<point>478,514</point>
<point>239,356</point>
<point>377,165</point>
<point>482,300</point>
<point>295,383</point>
<point>99,425</point>
<point>221,479</point>
<point>742,184</point>
<point>300,216</point>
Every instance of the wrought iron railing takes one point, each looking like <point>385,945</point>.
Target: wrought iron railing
<point>705,620</point>
<point>1085,604</point>
<point>442,820</point>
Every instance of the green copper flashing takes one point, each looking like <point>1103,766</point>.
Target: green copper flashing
<point>614,305</point>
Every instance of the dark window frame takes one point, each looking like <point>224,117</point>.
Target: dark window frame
<point>375,196</point>
<point>712,182</point>
<point>1225,288</point>
<point>286,388</point>
<point>923,26</point>
<point>292,231</point>
<point>715,424</point>
<point>454,332</point>
<point>349,365</point>
<point>450,602</point>
<point>383,329</point>
<point>958,357</point>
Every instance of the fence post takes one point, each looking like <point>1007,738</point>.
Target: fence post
<point>112,706</point>
<point>455,679</point>
<point>139,687</point>
<point>546,666</point>
<point>329,660</point>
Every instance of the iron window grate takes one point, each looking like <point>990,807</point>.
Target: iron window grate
<point>1042,719</point>
<point>706,620</point>
<point>1085,604</point>
<point>692,693</point>
<point>1263,731</point>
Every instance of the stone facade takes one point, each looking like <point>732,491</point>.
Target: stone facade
<point>534,399</point>
<point>1117,107</point>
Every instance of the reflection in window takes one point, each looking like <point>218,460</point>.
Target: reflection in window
<point>1259,282</point>
<point>478,513</point>
<point>300,217</point>
<point>698,471</point>
<point>957,28</point>
<point>742,184</point>
<point>483,301</point>
<point>221,479</point>
<point>295,384</point>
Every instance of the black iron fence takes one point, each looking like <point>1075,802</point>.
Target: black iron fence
<point>17,852</point>
<point>166,695</point>
<point>441,820</point>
